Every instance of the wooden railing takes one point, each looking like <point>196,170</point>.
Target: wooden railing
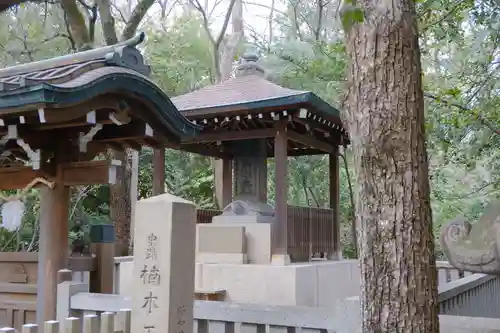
<point>205,215</point>
<point>477,295</point>
<point>310,230</point>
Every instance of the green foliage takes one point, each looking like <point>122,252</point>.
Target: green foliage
<point>351,15</point>
<point>186,175</point>
<point>180,56</point>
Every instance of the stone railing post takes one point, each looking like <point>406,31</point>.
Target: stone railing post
<point>65,289</point>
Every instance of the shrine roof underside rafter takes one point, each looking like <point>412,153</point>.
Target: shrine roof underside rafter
<point>248,107</point>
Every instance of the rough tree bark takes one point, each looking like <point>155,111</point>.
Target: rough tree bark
<point>385,105</point>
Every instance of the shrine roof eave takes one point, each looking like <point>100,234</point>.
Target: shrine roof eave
<point>302,99</point>
<point>99,82</point>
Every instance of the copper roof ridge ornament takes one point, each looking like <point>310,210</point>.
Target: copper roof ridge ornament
<point>124,54</point>
<point>248,65</point>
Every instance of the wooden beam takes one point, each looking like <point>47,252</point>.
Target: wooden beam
<point>312,142</point>
<point>90,173</point>
<point>197,149</point>
<point>223,177</point>
<point>334,174</point>
<point>73,174</point>
<point>124,132</point>
<point>231,136</point>
<point>18,177</point>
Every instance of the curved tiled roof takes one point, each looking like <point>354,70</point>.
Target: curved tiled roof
<point>250,93</point>
<point>239,90</point>
<point>78,77</point>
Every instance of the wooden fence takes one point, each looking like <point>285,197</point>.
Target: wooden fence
<point>311,230</point>
<point>18,278</point>
<point>18,284</point>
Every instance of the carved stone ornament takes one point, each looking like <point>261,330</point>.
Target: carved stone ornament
<point>248,207</point>
<point>474,247</point>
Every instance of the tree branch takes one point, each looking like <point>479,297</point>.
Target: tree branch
<point>135,19</point>
<point>107,22</point>
<point>216,42</point>
<point>270,7</point>
<point>76,25</point>
<point>120,12</point>
<point>474,113</point>
<point>465,196</point>
<point>225,24</point>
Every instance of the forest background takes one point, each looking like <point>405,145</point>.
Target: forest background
<point>301,45</point>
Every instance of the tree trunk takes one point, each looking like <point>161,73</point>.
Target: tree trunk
<point>386,122</point>
<point>120,202</point>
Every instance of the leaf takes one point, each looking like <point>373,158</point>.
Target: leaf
<point>352,16</point>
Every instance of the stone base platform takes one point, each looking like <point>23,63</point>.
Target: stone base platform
<point>315,284</point>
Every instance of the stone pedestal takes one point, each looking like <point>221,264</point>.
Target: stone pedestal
<point>220,244</point>
<point>243,219</point>
<point>251,243</point>
<point>314,284</point>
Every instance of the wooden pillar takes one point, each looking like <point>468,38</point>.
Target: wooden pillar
<point>102,279</point>
<point>158,171</point>
<point>134,193</point>
<point>279,230</point>
<point>263,182</point>
<point>223,169</point>
<point>53,245</point>
<point>336,252</point>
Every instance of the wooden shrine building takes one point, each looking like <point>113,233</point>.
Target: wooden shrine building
<point>57,118</point>
<point>248,119</point>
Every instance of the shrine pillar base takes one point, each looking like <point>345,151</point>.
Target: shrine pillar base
<point>53,248</point>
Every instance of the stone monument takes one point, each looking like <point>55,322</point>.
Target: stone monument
<point>474,247</point>
<point>250,180</point>
<point>164,261</point>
